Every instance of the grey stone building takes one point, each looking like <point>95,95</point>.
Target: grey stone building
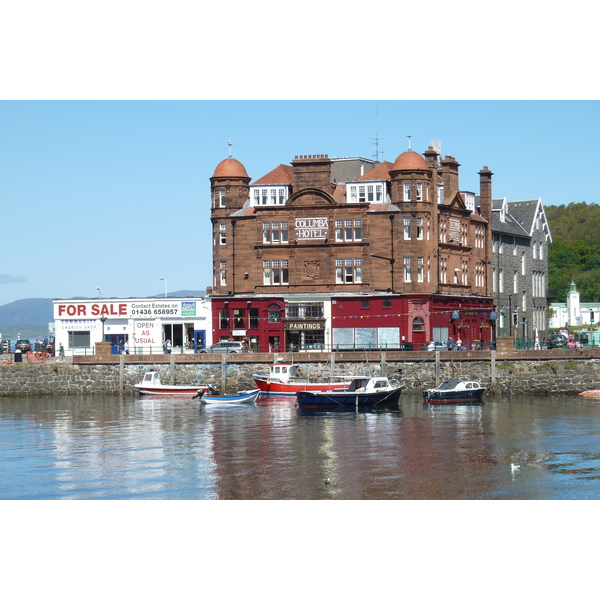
<point>520,239</point>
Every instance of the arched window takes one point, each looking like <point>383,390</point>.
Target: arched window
<point>418,324</point>
<point>274,313</point>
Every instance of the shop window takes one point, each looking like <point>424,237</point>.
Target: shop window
<point>223,318</point>
<point>308,310</point>
<point>79,339</point>
<point>238,318</point>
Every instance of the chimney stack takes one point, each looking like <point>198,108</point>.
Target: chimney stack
<point>485,205</point>
<point>312,171</point>
<point>485,194</point>
<point>450,176</point>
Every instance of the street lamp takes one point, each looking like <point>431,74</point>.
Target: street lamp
<point>103,320</point>
<point>99,293</point>
<point>165,280</point>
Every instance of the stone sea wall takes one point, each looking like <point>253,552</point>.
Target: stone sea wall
<point>500,376</point>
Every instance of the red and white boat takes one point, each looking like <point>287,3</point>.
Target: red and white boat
<point>151,385</point>
<point>284,379</point>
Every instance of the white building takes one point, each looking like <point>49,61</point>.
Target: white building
<point>137,325</point>
<point>573,312</point>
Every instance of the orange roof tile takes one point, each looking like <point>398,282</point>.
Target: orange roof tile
<point>377,173</point>
<point>281,175</point>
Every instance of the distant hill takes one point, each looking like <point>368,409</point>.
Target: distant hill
<point>30,317</point>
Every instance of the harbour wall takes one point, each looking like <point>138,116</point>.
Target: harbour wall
<point>531,372</point>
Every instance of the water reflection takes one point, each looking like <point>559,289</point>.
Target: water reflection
<point>152,448</point>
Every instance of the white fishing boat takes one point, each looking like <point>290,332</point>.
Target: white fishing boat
<point>151,385</point>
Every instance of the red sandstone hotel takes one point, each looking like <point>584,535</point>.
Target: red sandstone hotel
<point>349,253</point>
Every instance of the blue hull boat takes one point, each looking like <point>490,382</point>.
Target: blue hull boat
<point>238,398</point>
<point>362,391</point>
<point>455,391</point>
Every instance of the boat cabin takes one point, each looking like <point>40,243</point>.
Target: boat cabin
<point>459,384</point>
<point>151,378</point>
<point>368,384</point>
<point>286,372</point>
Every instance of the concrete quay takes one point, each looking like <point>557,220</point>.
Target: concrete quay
<point>502,371</point>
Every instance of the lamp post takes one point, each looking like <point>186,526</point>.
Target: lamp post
<point>103,320</point>
<point>99,293</point>
<point>165,280</point>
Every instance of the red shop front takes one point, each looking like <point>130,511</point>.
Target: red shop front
<point>258,321</point>
<point>469,319</point>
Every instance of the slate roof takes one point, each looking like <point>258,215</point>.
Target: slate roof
<point>510,225</point>
<point>524,212</point>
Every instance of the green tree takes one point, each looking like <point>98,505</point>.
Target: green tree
<point>574,254</point>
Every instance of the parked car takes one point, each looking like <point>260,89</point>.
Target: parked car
<point>224,347</point>
<point>23,346</point>
<point>557,341</point>
<point>436,346</point>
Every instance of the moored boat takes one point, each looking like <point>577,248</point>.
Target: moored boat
<point>152,385</point>
<point>362,391</point>
<point>284,379</point>
<point>237,398</point>
<point>455,391</point>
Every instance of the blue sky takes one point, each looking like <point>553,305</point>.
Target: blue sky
<point>115,194</point>
<point>114,116</point>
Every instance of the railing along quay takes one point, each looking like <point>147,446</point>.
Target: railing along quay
<point>341,356</point>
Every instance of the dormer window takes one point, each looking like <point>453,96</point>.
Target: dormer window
<point>440,194</point>
<point>367,192</point>
<point>269,195</point>
<point>470,201</point>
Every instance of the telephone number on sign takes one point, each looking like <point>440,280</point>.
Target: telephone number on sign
<point>156,311</point>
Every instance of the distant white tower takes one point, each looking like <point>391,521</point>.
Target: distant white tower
<point>573,305</point>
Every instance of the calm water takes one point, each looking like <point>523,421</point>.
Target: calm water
<point>140,448</point>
